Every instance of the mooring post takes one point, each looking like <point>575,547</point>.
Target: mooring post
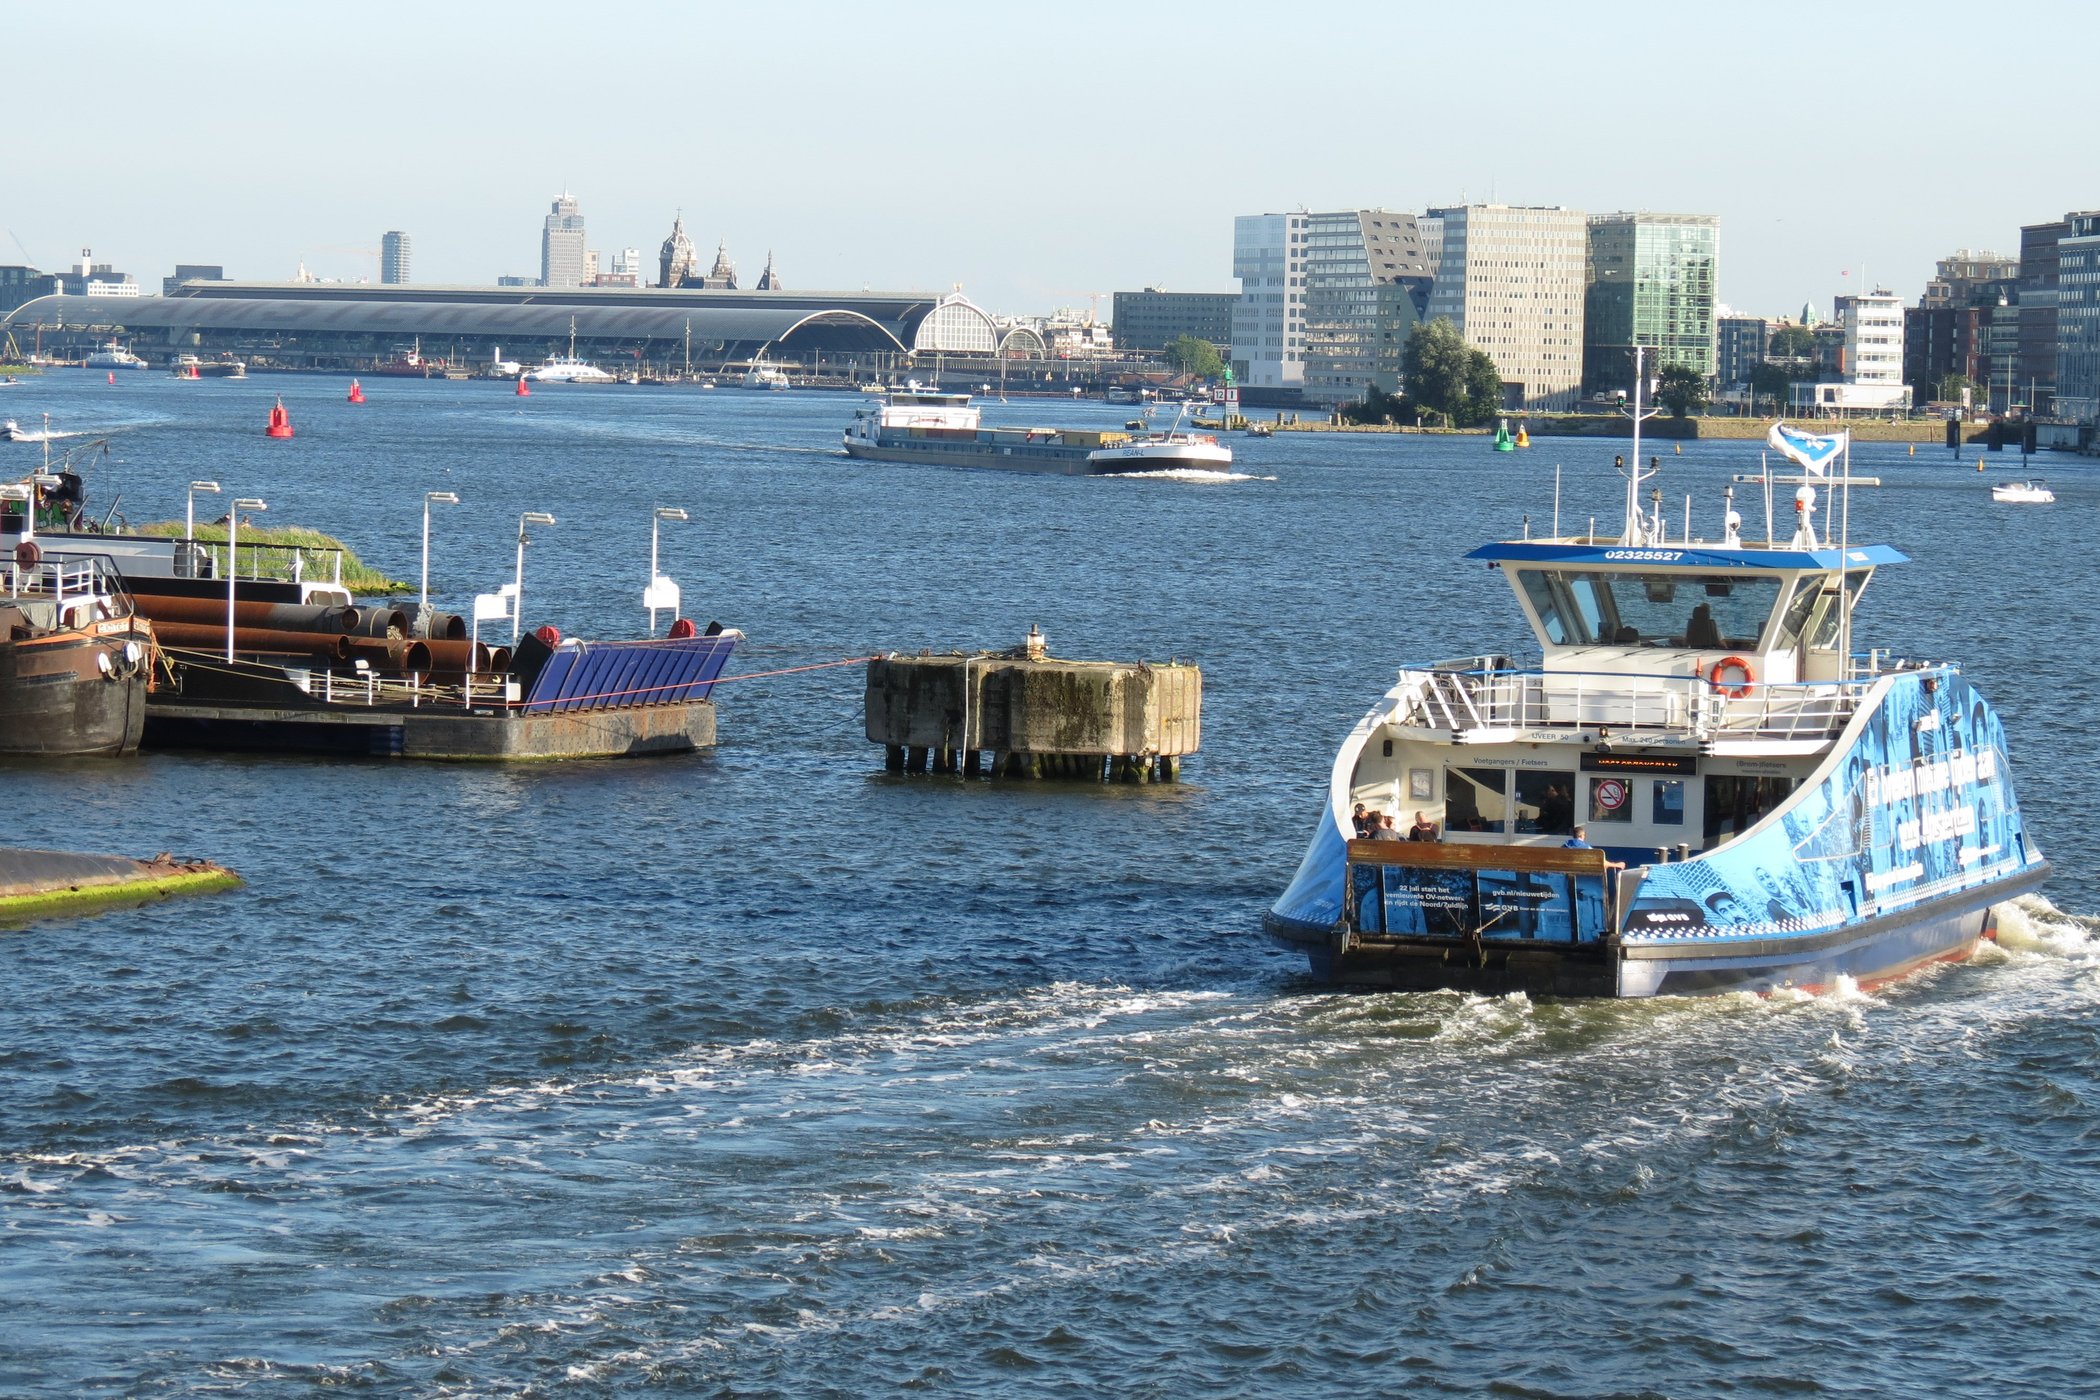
<point>915,759</point>
<point>893,757</point>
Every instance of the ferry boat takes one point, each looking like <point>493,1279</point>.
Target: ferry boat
<point>763,375</point>
<point>192,367</point>
<point>113,356</point>
<point>939,428</point>
<point>76,658</point>
<point>568,369</point>
<point>1765,809</point>
<point>2029,493</point>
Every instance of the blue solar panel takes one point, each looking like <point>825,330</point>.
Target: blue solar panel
<point>601,675</point>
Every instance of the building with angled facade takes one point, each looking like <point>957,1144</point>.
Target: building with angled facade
<point>1367,282</point>
<point>1327,300</point>
<point>1651,283</point>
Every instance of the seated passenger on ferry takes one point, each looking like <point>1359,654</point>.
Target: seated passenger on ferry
<point>1578,840</point>
<point>1361,820</point>
<point>1423,829</point>
<point>1701,630</point>
<point>1387,829</point>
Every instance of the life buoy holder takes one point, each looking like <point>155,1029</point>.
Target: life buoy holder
<point>1736,689</point>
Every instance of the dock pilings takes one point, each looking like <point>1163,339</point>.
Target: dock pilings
<point>1023,715</point>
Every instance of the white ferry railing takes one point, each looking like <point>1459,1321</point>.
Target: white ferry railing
<point>1461,697</point>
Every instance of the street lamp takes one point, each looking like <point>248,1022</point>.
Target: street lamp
<point>445,498</point>
<point>233,530</point>
<point>657,595</point>
<point>189,506</point>
<point>517,592</point>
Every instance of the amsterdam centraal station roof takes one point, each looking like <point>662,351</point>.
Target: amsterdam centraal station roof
<point>830,322</point>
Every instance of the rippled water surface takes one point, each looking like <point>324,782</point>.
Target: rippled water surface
<point>762,1073</point>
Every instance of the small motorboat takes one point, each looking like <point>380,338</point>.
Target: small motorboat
<point>2026,493</point>
<point>11,431</point>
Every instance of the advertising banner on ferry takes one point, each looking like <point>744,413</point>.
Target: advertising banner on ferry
<point>1912,808</point>
<point>1443,902</point>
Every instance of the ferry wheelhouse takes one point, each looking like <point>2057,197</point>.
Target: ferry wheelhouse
<point>1764,807</point>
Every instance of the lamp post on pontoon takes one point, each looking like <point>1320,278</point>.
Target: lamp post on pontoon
<point>233,531</point>
<point>517,593</point>
<point>189,506</point>
<point>444,498</point>
<point>653,596</point>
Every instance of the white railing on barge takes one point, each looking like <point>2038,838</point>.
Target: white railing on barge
<point>1486,694</point>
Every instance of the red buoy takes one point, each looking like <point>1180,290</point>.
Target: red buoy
<point>280,422</point>
<point>523,392</point>
<point>194,374</point>
<point>357,392</point>
<point>112,376</point>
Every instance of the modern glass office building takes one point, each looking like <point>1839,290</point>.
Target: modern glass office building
<point>1652,279</point>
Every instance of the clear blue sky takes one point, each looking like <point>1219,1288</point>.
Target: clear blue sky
<point>1033,154</point>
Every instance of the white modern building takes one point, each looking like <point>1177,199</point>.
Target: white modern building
<point>1268,321</point>
<point>562,246</point>
<point>1512,278</point>
<point>1870,360</point>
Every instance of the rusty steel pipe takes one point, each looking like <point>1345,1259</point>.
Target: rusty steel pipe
<point>445,627</point>
<point>262,640</point>
<point>458,656</point>
<point>275,617</point>
<point>380,622</point>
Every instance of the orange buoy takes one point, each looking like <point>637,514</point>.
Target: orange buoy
<point>523,392</point>
<point>357,392</point>
<point>280,422</point>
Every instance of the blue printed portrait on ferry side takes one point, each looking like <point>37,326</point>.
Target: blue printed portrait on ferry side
<point>1886,857</point>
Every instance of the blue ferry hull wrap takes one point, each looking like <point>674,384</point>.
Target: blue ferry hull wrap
<point>1886,857</point>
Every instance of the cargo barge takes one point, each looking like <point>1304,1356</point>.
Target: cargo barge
<point>935,428</point>
<point>263,647</point>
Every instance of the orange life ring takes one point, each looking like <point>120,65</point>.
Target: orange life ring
<point>1734,690</point>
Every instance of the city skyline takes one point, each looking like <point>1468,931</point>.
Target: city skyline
<point>1108,177</point>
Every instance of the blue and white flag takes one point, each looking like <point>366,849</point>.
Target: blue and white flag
<point>1807,449</point>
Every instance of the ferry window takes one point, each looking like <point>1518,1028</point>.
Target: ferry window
<point>1611,799</point>
<point>1824,632</point>
<point>1806,594</point>
<point>1660,610</point>
<point>1541,595</point>
<point>1669,802</point>
<point>1736,803</point>
<point>1545,803</point>
<point>1474,799</point>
